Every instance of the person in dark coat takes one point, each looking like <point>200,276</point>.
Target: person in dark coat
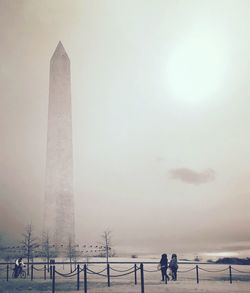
<point>164,266</point>
<point>18,266</point>
<point>174,266</point>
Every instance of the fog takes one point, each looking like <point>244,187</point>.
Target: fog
<point>162,162</point>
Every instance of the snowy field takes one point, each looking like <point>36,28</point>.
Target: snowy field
<point>211,281</point>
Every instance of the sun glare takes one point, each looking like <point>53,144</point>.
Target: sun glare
<point>222,254</point>
<point>197,67</point>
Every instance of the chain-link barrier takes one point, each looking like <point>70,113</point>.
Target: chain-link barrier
<point>125,274</point>
<point>122,271</point>
<point>186,271</point>
<point>213,271</point>
<point>97,273</point>
<point>152,271</point>
<point>242,272</point>
<point>38,270</point>
<point>68,275</point>
<point>105,272</point>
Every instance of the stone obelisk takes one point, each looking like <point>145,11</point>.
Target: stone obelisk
<point>59,201</point>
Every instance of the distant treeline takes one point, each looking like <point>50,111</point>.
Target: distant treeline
<point>234,261</point>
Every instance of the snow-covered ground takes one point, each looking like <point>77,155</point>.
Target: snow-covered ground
<point>97,287</point>
<point>210,282</point>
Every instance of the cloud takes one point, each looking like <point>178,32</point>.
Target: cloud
<point>192,177</point>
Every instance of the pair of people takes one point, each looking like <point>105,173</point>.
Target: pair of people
<point>173,265</point>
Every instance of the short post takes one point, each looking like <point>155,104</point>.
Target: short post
<point>44,272</point>
<point>78,277</point>
<point>85,279</point>
<point>32,271</point>
<point>108,274</point>
<point>230,275</point>
<point>7,273</point>
<point>142,278</point>
<point>197,274</point>
<point>53,279</point>
<point>135,271</point>
<point>50,270</point>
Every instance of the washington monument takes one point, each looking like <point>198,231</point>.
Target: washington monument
<point>59,201</point>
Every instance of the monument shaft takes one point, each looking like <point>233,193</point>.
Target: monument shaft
<point>59,202</point>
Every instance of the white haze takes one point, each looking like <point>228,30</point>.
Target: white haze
<point>134,122</point>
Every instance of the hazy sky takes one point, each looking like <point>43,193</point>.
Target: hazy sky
<point>160,94</point>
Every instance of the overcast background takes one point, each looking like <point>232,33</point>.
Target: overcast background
<point>163,163</point>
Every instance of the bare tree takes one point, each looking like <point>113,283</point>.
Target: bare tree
<point>71,252</point>
<point>30,243</point>
<point>46,247</point>
<point>107,244</point>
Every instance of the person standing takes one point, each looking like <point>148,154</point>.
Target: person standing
<point>164,266</point>
<point>174,266</point>
<point>18,266</point>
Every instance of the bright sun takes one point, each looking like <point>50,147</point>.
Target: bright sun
<point>197,68</point>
